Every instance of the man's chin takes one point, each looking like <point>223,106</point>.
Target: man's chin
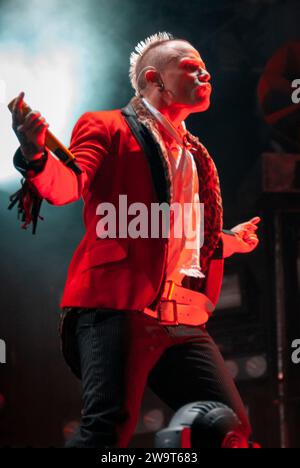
<point>201,106</point>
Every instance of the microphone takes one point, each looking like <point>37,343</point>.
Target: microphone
<point>53,144</point>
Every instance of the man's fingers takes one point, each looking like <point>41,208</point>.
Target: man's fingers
<point>34,131</point>
<point>31,117</point>
<point>250,227</point>
<point>29,126</point>
<point>39,130</point>
<point>251,239</point>
<point>252,224</point>
<point>20,100</point>
<point>17,113</point>
<point>18,103</point>
<point>255,220</point>
<point>33,121</point>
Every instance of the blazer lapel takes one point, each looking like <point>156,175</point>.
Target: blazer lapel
<point>153,153</point>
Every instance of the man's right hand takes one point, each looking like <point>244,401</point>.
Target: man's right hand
<point>30,130</point>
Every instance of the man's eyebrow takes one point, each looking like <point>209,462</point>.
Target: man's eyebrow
<point>193,59</point>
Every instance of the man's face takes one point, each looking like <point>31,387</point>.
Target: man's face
<point>186,77</point>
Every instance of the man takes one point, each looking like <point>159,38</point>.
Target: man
<point>127,319</point>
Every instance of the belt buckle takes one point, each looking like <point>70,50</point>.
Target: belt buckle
<point>175,315</point>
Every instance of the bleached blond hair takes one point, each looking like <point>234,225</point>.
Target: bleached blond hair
<point>139,52</point>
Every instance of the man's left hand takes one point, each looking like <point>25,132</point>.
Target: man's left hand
<point>245,234</point>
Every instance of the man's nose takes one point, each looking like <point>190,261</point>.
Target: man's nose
<point>204,75</point>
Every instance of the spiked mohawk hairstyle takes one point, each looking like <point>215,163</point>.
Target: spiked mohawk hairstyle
<point>139,52</point>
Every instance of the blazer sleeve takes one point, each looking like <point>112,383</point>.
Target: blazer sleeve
<point>59,185</point>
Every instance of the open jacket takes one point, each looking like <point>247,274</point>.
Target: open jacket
<point>126,273</point>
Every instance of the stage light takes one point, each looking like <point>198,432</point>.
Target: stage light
<point>53,52</point>
<point>248,367</point>
<point>256,366</point>
<point>51,84</point>
<point>204,424</point>
<point>233,368</point>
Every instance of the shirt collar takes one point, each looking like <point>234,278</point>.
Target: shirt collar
<point>176,134</point>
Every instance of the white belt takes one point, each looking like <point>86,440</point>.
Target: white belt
<point>180,305</point>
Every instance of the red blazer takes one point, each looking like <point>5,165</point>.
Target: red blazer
<point>110,273</point>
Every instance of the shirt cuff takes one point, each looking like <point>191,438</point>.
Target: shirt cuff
<point>227,231</point>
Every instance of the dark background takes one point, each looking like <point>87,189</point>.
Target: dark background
<point>235,38</point>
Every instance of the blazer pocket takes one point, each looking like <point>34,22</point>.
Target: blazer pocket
<point>105,251</point>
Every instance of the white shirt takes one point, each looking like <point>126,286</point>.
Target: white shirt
<point>184,251</point>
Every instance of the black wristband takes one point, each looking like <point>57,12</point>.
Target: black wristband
<point>23,165</point>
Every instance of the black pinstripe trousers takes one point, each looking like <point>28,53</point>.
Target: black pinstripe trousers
<point>117,353</point>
